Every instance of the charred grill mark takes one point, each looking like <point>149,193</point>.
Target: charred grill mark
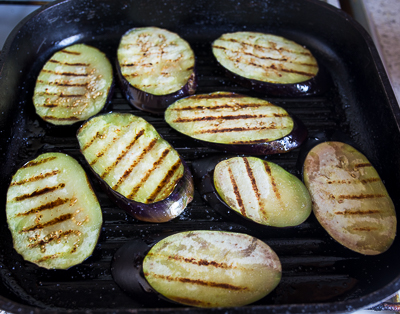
<point>63,84</point>
<point>78,64</point>
<point>367,229</point>
<point>52,222</point>
<point>71,118</point>
<point>156,164</point>
<point>40,192</point>
<point>122,155</point>
<point>363,181</point>
<point>92,140</point>
<point>36,178</point>
<point>273,183</point>
<point>71,52</point>
<point>283,60</point>
<point>280,68</point>
<point>360,196</point>
<point>134,164</point>
<point>362,165</point>
<point>163,182</point>
<point>358,212</point>
<point>235,106</point>
<point>50,205</point>
<point>198,282</point>
<point>194,261</point>
<point>239,129</point>
<point>66,73</point>
<point>254,185</point>
<point>47,257</point>
<point>34,163</point>
<point>229,117</point>
<point>55,236</point>
<point>237,193</point>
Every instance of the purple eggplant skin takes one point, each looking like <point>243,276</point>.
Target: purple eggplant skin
<point>127,271</point>
<point>283,145</point>
<point>317,85</point>
<point>158,212</point>
<point>155,104</point>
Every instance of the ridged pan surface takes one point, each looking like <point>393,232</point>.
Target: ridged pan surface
<point>319,275</point>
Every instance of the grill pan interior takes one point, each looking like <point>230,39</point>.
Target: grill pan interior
<point>319,275</point>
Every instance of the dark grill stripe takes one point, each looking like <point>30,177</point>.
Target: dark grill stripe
<point>54,237</point>
<point>40,192</point>
<point>364,181</point>
<point>50,205</point>
<point>156,164</point>
<point>194,261</point>
<point>170,174</point>
<point>273,183</point>
<point>241,129</point>
<point>360,196</point>
<point>135,163</point>
<point>36,178</point>
<point>122,155</point>
<point>237,193</point>
<point>34,163</point>
<point>71,52</point>
<point>52,222</point>
<point>78,64</point>
<point>229,107</point>
<point>198,282</point>
<point>358,212</point>
<point>280,68</point>
<point>71,118</point>
<point>362,165</point>
<point>254,185</point>
<point>229,117</point>
<point>63,84</point>
<point>66,73</point>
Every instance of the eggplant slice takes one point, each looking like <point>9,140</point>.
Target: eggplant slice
<point>141,171</point>
<point>155,67</point>
<point>74,85</point>
<point>236,123</point>
<point>349,199</point>
<point>199,268</point>
<point>52,212</point>
<point>270,64</point>
<point>262,191</point>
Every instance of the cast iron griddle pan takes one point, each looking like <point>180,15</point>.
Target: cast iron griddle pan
<point>319,275</point>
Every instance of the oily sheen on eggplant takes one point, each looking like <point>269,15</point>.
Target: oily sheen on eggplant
<point>236,123</point>
<point>155,67</point>
<point>200,268</point>
<point>141,171</point>
<point>269,64</point>
<point>52,212</point>
<point>262,191</point>
<point>74,85</point>
<point>349,199</point>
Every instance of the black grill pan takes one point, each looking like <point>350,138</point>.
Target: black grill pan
<point>319,275</point>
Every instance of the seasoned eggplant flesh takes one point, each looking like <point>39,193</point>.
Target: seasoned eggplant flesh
<point>229,118</point>
<point>212,268</point>
<point>265,57</point>
<point>130,156</point>
<point>349,198</point>
<point>262,191</point>
<point>155,60</point>
<point>73,85</point>
<point>52,212</point>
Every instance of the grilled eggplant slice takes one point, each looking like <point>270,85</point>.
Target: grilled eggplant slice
<point>202,268</point>
<point>52,212</point>
<point>155,67</point>
<point>73,85</point>
<point>262,191</point>
<point>269,64</point>
<point>236,123</point>
<point>141,171</point>
<point>349,199</point>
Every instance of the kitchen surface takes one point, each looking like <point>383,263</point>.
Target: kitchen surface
<point>381,18</point>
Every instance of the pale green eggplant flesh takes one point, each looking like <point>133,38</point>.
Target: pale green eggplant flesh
<point>265,57</point>
<point>262,191</point>
<point>52,212</point>
<point>127,153</point>
<point>73,85</point>
<point>229,118</point>
<point>155,60</point>
<point>349,198</point>
<point>212,268</point>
